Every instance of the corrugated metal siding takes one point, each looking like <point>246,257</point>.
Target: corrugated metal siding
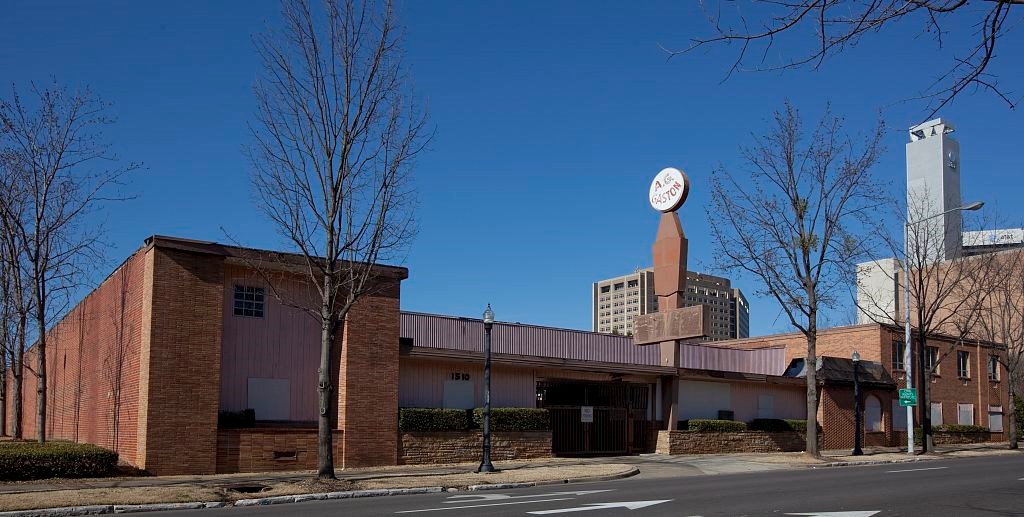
<point>284,344</point>
<point>767,361</point>
<point>433,331</point>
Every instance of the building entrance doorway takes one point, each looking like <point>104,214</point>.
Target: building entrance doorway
<point>597,418</point>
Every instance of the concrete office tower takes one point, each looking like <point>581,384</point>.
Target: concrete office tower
<point>933,187</point>
<point>617,301</point>
<point>877,288</point>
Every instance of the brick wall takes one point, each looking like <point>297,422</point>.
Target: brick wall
<point>691,442</point>
<point>837,418</point>
<point>368,383</point>
<point>466,446</point>
<point>834,342</point>
<point>181,387</point>
<point>93,367</point>
<point>270,449</point>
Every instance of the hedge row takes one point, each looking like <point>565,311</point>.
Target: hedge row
<point>1018,404</point>
<point>432,419</point>
<point>502,419</point>
<point>715,426</point>
<point>956,428</point>
<point>514,419</point>
<point>21,461</point>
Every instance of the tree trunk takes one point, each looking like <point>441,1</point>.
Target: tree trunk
<point>924,377</point>
<point>41,373</point>
<point>3,388</point>
<point>325,446</point>
<point>18,372</point>
<point>1013,412</point>
<point>811,363</point>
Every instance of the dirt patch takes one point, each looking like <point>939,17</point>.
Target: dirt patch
<point>90,496</point>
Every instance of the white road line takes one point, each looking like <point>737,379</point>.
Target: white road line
<point>915,470</point>
<point>483,505</point>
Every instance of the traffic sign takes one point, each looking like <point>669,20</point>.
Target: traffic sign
<point>908,397</point>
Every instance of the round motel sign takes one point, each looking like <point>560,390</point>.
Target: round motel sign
<point>669,189</point>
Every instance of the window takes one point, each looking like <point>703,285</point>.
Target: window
<point>899,416</point>
<point>898,349</point>
<point>931,360</point>
<point>995,419</point>
<point>872,414</point>
<point>936,413</point>
<point>606,288</point>
<point>993,368</point>
<point>963,364</point>
<point>248,301</point>
<point>619,286</point>
<point>965,414</point>
<point>633,283</point>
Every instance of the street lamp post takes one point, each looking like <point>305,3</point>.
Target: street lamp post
<point>485,464</point>
<point>907,365</point>
<point>857,420</point>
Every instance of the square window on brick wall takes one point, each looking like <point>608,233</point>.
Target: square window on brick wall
<point>249,301</point>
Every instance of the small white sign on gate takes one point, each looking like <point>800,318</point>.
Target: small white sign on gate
<point>587,414</point>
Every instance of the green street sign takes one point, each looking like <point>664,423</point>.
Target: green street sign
<point>908,397</point>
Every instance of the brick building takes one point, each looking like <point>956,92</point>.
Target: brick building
<point>969,386</point>
<point>184,329</point>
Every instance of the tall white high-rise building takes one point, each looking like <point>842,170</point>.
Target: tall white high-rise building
<point>933,187</point>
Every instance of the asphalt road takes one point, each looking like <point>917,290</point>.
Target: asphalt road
<point>956,487</point>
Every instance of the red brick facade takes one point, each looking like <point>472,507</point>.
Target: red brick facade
<point>136,367</point>
<point>270,449</point>
<point>93,370</point>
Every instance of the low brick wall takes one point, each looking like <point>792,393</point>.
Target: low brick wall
<point>262,449</point>
<point>692,442</point>
<point>948,438</point>
<point>419,448</point>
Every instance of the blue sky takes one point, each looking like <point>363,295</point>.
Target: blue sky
<point>551,119</point>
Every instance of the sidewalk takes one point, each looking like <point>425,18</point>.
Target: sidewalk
<point>228,488</point>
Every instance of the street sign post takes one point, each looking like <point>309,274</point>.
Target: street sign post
<point>908,397</point>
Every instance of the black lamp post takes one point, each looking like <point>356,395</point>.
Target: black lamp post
<point>485,464</point>
<point>856,405</point>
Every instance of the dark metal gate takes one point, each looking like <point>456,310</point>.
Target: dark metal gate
<point>619,422</point>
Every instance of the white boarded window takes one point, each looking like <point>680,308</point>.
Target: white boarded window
<point>995,419</point>
<point>899,416</point>
<point>765,406</point>
<point>269,398</point>
<point>965,414</point>
<point>872,414</point>
<point>936,413</point>
<point>703,399</point>
<point>458,395</point>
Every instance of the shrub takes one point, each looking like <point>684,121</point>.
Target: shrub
<point>432,419</point>
<point>956,428</point>
<point>31,460</point>
<point>774,425</point>
<point>715,426</point>
<point>236,419</point>
<point>514,419</point>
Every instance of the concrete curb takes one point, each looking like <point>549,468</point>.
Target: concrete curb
<point>505,486</point>
<point>285,499</point>
<point>870,462</point>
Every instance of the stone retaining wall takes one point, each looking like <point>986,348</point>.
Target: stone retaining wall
<point>692,442</point>
<point>418,448</point>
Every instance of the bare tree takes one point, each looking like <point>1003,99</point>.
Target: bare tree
<point>1003,322</point>
<point>838,26</point>
<point>335,140</point>
<point>17,303</point>
<point>950,293</point>
<point>789,221</point>
<point>56,141</point>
